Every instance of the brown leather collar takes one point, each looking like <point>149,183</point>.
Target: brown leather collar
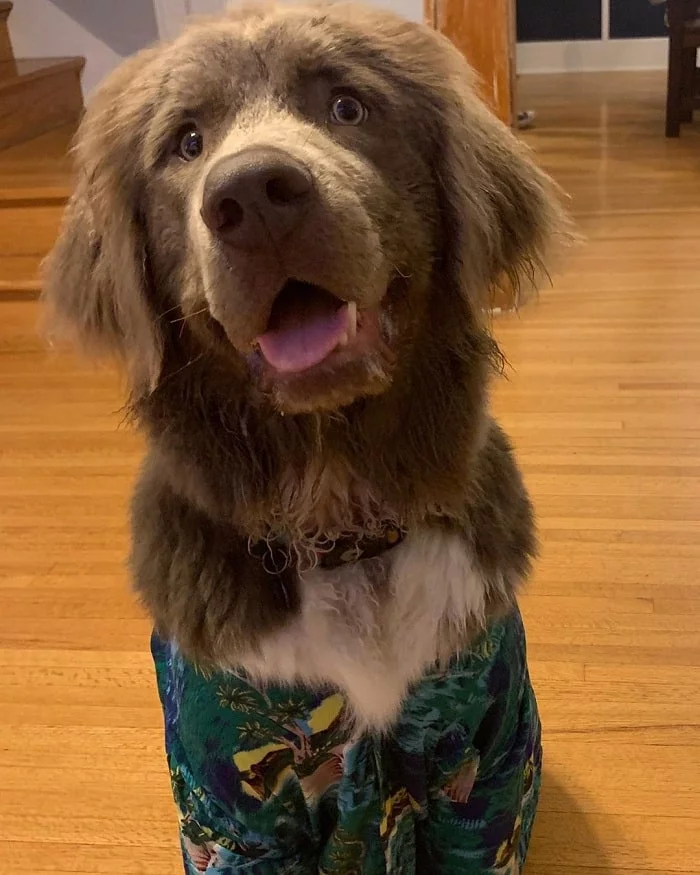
<point>343,551</point>
<point>348,550</point>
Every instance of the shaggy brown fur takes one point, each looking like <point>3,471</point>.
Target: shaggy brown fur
<point>417,214</point>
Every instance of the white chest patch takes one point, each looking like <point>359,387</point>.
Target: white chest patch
<point>372,637</point>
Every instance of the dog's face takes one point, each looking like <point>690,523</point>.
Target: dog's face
<point>296,177</point>
<point>300,190</point>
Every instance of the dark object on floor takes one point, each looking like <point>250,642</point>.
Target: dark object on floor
<point>525,119</point>
<point>683,94</point>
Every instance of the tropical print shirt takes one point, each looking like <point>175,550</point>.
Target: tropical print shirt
<point>273,780</point>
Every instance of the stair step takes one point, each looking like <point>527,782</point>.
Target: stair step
<point>38,95</point>
<point>29,228</point>
<point>5,44</point>
<point>19,275</point>
<point>27,232</point>
<point>38,171</point>
<point>20,71</point>
<point>35,182</point>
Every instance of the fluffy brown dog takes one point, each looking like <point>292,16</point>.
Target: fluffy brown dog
<point>289,222</point>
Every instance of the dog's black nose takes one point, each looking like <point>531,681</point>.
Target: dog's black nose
<point>256,197</point>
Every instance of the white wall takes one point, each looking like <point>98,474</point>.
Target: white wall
<point>593,55</point>
<point>412,9</point>
<point>102,31</point>
<point>600,55</point>
<point>106,31</point>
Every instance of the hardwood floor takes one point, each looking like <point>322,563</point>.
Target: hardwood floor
<point>603,402</point>
<point>35,182</point>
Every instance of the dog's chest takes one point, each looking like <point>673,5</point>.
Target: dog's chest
<point>372,627</point>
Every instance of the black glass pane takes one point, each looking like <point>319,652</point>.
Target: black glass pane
<point>544,20</point>
<point>636,18</point>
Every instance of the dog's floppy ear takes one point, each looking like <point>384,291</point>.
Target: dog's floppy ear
<point>95,278</point>
<point>503,215</point>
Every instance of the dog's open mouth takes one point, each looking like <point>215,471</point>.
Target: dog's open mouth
<point>307,324</point>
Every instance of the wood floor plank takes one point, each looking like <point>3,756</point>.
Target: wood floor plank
<point>89,859</point>
<point>630,843</point>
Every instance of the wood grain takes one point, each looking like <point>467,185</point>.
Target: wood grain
<point>38,95</point>
<point>603,402</point>
<point>35,182</point>
<point>19,274</point>
<point>26,230</point>
<point>5,44</point>
<point>38,170</point>
<point>484,31</point>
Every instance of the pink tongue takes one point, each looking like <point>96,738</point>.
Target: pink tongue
<point>303,334</point>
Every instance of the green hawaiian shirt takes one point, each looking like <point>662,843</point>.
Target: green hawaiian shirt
<point>272,779</point>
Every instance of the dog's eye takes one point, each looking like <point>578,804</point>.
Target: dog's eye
<point>190,144</point>
<point>348,110</point>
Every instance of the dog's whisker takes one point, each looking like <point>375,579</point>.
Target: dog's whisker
<point>165,312</point>
<point>172,374</point>
<point>274,245</point>
<point>187,316</point>
<point>404,276</point>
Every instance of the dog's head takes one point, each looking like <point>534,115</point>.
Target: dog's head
<point>314,196</point>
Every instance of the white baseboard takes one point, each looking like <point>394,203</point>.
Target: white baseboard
<point>593,55</point>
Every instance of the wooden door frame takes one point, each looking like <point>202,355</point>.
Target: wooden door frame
<point>430,13</point>
<point>498,85</point>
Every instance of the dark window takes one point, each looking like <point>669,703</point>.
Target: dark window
<point>636,18</point>
<point>545,20</point>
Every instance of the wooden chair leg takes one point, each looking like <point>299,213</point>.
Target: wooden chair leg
<point>688,85</point>
<point>676,66</point>
<point>674,91</point>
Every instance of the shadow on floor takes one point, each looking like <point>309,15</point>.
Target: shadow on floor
<point>566,839</point>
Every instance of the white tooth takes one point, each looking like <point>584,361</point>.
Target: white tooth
<point>352,320</point>
<point>343,340</point>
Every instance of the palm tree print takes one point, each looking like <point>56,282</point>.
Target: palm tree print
<point>272,782</point>
<point>239,699</point>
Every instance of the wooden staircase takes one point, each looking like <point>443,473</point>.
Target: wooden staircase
<point>40,105</point>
